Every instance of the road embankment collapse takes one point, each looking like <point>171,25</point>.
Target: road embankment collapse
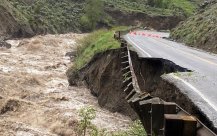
<point>103,76</point>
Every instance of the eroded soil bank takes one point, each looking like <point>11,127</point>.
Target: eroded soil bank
<point>142,19</point>
<point>35,98</point>
<point>104,78</point>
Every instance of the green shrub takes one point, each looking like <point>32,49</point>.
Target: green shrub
<point>87,114</point>
<point>93,13</point>
<point>136,129</point>
<point>85,23</point>
<point>154,7</point>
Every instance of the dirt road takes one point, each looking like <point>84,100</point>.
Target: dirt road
<point>35,98</point>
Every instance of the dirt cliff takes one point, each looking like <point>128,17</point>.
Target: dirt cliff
<point>102,75</point>
<point>104,78</point>
<point>11,26</point>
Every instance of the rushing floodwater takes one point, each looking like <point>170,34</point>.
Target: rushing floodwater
<point>35,92</point>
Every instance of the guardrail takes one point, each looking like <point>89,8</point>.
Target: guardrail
<point>158,117</point>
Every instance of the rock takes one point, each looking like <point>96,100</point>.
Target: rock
<point>10,26</point>
<point>71,55</point>
<point>5,44</point>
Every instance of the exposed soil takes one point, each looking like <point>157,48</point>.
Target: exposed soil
<point>155,22</point>
<point>35,98</point>
<point>9,25</point>
<point>152,77</point>
<point>104,78</point>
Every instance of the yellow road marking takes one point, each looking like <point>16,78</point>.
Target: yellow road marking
<point>205,60</point>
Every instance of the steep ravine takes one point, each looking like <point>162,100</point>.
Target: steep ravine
<point>103,76</point>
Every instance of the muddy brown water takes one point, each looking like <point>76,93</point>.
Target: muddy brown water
<point>35,98</point>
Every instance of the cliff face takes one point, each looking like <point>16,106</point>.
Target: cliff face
<point>199,30</point>
<point>25,18</point>
<point>103,77</point>
<point>10,25</point>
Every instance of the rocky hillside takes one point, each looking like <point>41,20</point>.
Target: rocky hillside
<point>12,22</point>
<point>199,30</point>
<point>29,17</point>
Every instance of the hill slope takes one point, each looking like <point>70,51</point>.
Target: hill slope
<point>29,17</point>
<point>199,30</point>
<point>12,22</point>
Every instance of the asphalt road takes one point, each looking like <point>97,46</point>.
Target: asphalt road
<point>200,85</point>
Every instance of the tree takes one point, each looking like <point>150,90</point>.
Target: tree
<point>93,14</point>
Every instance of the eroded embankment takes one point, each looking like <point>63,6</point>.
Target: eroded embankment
<point>104,78</point>
<point>156,22</point>
<point>152,77</point>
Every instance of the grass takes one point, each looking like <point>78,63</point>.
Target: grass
<point>199,30</point>
<point>14,12</point>
<point>85,127</point>
<point>64,16</point>
<point>185,5</point>
<point>49,15</point>
<point>173,7</point>
<point>135,129</point>
<point>95,42</point>
<point>178,74</point>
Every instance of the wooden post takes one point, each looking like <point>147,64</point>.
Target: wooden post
<point>180,125</point>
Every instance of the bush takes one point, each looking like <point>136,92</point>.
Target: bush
<point>85,127</point>
<point>93,13</point>
<point>87,114</point>
<point>85,23</point>
<point>136,129</point>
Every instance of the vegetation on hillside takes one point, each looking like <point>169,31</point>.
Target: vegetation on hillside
<point>199,30</point>
<point>93,14</point>
<point>154,7</point>
<point>60,16</point>
<point>50,15</point>
<point>93,43</point>
<point>13,11</point>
